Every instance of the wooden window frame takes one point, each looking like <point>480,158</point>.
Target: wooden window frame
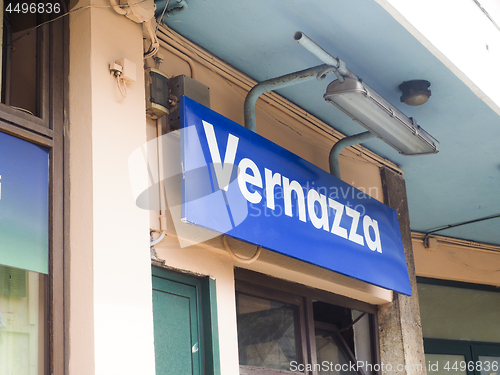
<point>263,286</point>
<point>47,130</point>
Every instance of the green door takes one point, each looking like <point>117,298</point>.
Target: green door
<point>176,326</point>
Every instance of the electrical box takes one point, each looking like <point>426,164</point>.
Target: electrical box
<point>157,94</point>
<point>184,85</point>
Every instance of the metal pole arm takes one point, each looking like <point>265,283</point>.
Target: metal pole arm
<point>274,84</point>
<point>343,143</point>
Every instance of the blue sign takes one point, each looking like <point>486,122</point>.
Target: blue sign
<point>234,181</point>
<point>24,204</point>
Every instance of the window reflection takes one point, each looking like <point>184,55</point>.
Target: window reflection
<point>266,332</point>
<point>21,322</point>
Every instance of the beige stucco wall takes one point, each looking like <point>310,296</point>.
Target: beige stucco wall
<point>110,313</point>
<point>450,259</point>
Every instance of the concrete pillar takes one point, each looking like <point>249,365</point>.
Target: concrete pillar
<point>111,315</point>
<point>400,331</point>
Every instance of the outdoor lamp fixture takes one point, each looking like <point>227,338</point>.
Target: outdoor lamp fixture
<point>157,94</point>
<point>349,93</point>
<point>415,92</point>
<point>377,115</point>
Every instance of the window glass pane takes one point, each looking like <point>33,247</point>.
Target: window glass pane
<point>489,365</point>
<point>24,204</point>
<point>362,339</point>
<point>330,357</point>
<point>445,364</point>
<point>266,332</point>
<point>458,313</point>
<point>22,310</point>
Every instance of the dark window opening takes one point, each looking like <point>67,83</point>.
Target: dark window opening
<point>340,317</point>
<point>20,59</point>
<point>26,55</point>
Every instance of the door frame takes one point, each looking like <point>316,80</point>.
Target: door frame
<point>206,315</point>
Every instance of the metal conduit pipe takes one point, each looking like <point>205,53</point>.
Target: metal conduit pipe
<point>316,50</point>
<point>324,56</point>
<point>274,84</point>
<point>319,52</point>
<point>343,143</point>
<point>162,197</point>
<point>158,240</point>
<point>181,55</point>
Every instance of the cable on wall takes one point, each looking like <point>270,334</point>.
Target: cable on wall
<point>154,47</point>
<point>426,238</point>
<point>239,258</point>
<point>122,86</point>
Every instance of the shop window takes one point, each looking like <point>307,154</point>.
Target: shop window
<point>185,324</point>
<point>460,327</point>
<point>288,328</point>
